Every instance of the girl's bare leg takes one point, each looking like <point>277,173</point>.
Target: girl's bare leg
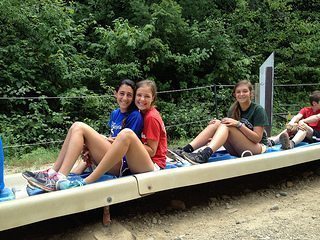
<point>298,138</point>
<point>276,139</point>
<point>126,144</point>
<point>219,138</point>
<point>204,136</point>
<point>79,134</point>
<point>79,168</point>
<point>58,162</point>
<point>309,132</point>
<point>230,149</point>
<point>240,143</point>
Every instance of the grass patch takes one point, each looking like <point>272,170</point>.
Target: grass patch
<point>174,143</point>
<point>33,160</point>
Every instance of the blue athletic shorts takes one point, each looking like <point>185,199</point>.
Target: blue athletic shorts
<point>124,170</point>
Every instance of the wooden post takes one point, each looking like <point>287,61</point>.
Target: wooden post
<point>269,96</point>
<point>257,93</point>
<point>106,219</point>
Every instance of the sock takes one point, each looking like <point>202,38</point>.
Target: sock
<point>188,148</point>
<point>61,176</point>
<point>207,152</point>
<point>51,172</point>
<point>272,142</point>
<point>294,144</point>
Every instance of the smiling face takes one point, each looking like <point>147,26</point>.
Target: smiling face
<point>124,97</point>
<point>144,98</point>
<point>242,93</point>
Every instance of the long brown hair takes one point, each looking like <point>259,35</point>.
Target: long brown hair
<point>235,108</point>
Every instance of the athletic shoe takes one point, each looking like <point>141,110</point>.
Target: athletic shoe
<point>46,184</point>
<point>196,158</point>
<point>38,175</point>
<point>271,142</point>
<point>176,154</point>
<point>179,152</point>
<point>285,141</point>
<point>67,184</point>
<point>32,190</point>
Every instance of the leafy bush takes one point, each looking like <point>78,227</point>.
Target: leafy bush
<point>82,48</point>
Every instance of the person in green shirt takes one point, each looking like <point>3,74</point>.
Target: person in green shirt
<point>242,132</point>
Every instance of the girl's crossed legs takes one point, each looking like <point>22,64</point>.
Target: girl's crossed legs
<point>126,144</point>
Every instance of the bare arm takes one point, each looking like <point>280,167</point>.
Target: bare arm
<point>312,119</point>
<point>254,135</point>
<point>151,147</point>
<point>295,119</point>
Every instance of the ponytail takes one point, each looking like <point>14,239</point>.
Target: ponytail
<point>235,110</point>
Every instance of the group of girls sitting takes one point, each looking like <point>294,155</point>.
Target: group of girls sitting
<point>138,140</point>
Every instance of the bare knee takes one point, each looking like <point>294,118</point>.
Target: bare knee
<point>126,135</point>
<point>77,127</point>
<point>213,126</point>
<point>223,127</point>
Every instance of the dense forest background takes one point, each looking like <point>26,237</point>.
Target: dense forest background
<point>60,50</point>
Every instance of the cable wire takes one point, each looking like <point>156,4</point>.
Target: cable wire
<point>102,96</point>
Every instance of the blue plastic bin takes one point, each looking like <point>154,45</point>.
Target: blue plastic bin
<point>5,193</point>
<point>1,167</point>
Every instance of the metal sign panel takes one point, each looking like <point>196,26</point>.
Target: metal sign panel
<point>266,78</point>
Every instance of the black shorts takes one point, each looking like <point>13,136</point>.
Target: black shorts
<point>316,133</point>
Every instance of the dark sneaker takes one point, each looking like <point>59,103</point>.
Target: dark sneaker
<point>46,184</point>
<point>271,142</point>
<point>195,158</point>
<point>67,184</point>
<point>179,152</point>
<point>285,141</point>
<point>176,154</point>
<point>38,175</point>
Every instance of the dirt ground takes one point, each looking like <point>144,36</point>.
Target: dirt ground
<point>282,204</point>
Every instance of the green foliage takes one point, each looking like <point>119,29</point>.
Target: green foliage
<point>38,124</point>
<point>192,111</point>
<point>91,108</point>
<point>82,48</point>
